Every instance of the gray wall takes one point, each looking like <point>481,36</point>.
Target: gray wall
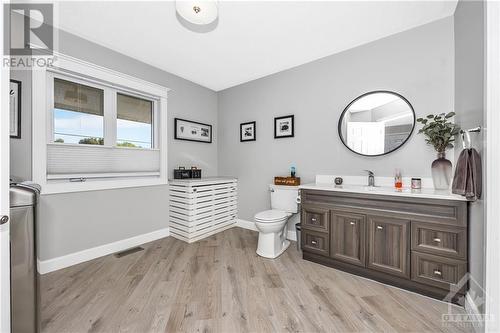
<point>73,222</point>
<point>469,106</point>
<point>417,63</point>
<point>20,149</point>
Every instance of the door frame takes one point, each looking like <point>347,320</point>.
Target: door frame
<point>492,229</point>
<point>4,188</point>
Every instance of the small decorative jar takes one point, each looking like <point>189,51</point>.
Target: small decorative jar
<point>416,183</point>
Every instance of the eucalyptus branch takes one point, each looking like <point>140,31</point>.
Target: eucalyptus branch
<point>440,132</point>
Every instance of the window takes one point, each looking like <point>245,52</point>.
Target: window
<point>78,113</point>
<point>134,122</point>
<point>96,130</point>
<point>83,110</point>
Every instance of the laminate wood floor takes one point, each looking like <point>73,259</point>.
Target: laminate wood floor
<point>219,284</point>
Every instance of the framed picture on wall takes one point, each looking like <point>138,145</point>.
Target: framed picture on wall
<point>192,131</point>
<point>247,132</point>
<point>283,127</point>
<point>15,109</point>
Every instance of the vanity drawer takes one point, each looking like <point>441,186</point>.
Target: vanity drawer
<point>449,241</point>
<point>313,241</point>
<point>315,218</point>
<point>437,271</point>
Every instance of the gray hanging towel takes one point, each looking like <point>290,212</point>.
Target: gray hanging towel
<point>468,175</point>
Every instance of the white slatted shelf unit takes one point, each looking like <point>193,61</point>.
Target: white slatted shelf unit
<point>202,207</point>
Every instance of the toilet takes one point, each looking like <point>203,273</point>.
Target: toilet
<point>271,224</point>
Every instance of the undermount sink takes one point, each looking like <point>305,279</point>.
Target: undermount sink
<point>371,188</point>
<point>361,187</point>
<point>376,188</point>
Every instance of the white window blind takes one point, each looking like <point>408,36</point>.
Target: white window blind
<point>72,161</point>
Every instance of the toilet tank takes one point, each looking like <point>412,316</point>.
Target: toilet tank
<point>284,198</point>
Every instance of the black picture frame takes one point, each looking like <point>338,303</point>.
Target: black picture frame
<point>339,127</point>
<point>19,97</point>
<point>242,137</point>
<point>177,134</point>
<point>292,125</point>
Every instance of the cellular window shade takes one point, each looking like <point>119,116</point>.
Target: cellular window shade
<point>69,161</point>
<point>78,97</point>
<point>134,109</point>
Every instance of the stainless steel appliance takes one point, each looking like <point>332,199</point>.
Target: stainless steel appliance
<point>24,275</point>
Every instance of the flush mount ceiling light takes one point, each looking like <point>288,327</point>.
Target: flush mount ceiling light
<point>198,12</point>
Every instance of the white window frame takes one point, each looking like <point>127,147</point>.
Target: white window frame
<point>110,95</point>
<point>76,70</point>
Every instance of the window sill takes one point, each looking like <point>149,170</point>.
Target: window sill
<point>56,186</point>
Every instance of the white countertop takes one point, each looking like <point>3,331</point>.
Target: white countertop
<point>194,181</point>
<point>428,193</point>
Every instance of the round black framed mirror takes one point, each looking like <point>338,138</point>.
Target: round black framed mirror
<point>376,123</point>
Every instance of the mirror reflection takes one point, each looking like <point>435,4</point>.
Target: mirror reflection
<point>376,123</point>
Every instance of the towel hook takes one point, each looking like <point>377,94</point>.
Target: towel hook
<point>466,134</point>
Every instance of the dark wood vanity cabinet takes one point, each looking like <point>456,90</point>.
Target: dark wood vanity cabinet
<point>413,243</point>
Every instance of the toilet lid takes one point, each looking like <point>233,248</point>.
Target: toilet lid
<point>271,215</point>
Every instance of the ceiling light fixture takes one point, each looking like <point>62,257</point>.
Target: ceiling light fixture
<point>200,12</point>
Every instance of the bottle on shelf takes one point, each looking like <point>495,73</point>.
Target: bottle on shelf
<point>398,179</point>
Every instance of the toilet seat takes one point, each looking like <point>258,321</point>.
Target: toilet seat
<point>270,216</point>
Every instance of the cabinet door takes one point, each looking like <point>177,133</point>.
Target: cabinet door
<point>388,245</point>
<point>348,237</point>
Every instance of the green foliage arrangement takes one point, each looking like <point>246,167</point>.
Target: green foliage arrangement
<point>100,141</point>
<point>127,144</point>
<point>92,141</point>
<point>439,130</point>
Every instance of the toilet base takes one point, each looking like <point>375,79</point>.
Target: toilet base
<point>272,245</point>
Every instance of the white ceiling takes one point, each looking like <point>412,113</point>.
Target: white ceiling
<point>252,39</point>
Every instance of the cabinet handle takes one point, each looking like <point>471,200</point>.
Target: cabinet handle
<point>313,242</point>
<point>379,227</point>
<point>353,223</point>
<point>437,240</point>
<point>437,272</point>
<point>313,219</point>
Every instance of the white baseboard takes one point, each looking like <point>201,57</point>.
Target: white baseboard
<point>50,265</point>
<point>472,309</point>
<point>246,224</point>
<point>291,235</point>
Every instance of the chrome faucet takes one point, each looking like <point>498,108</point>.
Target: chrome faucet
<point>371,178</point>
